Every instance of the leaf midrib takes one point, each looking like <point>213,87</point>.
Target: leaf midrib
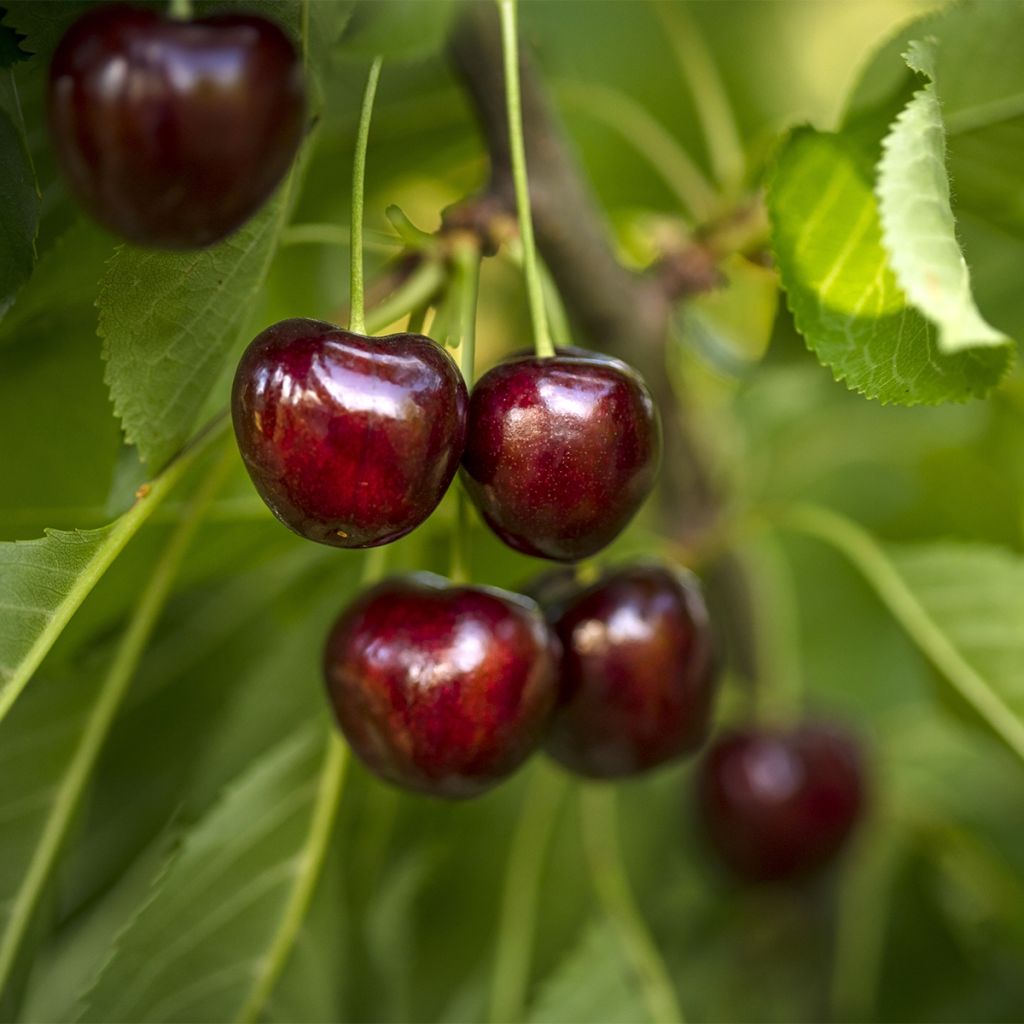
<point>874,565</point>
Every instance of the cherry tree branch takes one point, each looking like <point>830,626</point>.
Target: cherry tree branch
<point>618,311</point>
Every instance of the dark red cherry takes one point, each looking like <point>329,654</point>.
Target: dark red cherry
<point>351,441</point>
<point>778,803</point>
<point>439,688</point>
<point>638,673</point>
<point>561,452</point>
<point>173,133</point>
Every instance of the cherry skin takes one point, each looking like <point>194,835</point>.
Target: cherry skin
<point>352,441</point>
<point>173,133</point>
<point>441,689</point>
<point>777,804</point>
<point>561,452</point>
<point>637,673</point>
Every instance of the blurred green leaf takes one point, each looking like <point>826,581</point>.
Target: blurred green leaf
<point>593,983</point>
<point>398,28</point>
<point>209,942</point>
<point>963,605</point>
<point>841,289</point>
<point>44,581</point>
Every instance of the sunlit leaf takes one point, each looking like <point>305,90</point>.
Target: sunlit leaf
<point>918,229</point>
<point>841,289</point>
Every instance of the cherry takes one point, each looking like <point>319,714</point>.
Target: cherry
<point>638,673</point>
<point>779,803</point>
<point>561,451</point>
<point>352,441</point>
<point>172,133</point>
<point>439,688</point>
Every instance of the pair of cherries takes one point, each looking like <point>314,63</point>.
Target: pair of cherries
<point>447,689</point>
<point>353,440</point>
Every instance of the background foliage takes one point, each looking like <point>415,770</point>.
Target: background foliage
<point>165,849</point>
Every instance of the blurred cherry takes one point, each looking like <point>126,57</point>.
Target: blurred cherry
<point>779,803</point>
<point>174,132</point>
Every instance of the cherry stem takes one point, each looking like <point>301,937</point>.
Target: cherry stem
<point>520,900</point>
<point>534,289</point>
<point>417,318</point>
<point>418,289</point>
<point>466,285</point>
<point>374,564</point>
<point>357,323</point>
<point>181,9</point>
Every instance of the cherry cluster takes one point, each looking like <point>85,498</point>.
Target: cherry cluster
<point>172,133</point>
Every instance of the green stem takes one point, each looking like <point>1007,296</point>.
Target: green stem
<point>416,290</point>
<point>601,843</point>
<point>862,915</point>
<point>101,716</point>
<point>558,319</point>
<point>357,323</point>
<point>778,688</point>
<point>181,10</point>
<point>314,852</point>
<point>325,811</point>
<point>517,147</point>
<point>336,234</point>
<point>869,558</point>
<point>466,285</point>
<point>417,318</point>
<point>467,281</point>
<point>374,564</point>
<point>150,498</point>
<point>520,895</point>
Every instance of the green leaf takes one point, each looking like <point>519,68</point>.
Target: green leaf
<point>36,744</point>
<point>961,604</point>
<point>63,287</point>
<point>593,983</point>
<point>43,582</point>
<point>980,84</point>
<point>19,198</point>
<point>60,801</point>
<point>169,321</point>
<point>10,47</point>
<point>210,942</point>
<point>841,289</point>
<point>918,228</point>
